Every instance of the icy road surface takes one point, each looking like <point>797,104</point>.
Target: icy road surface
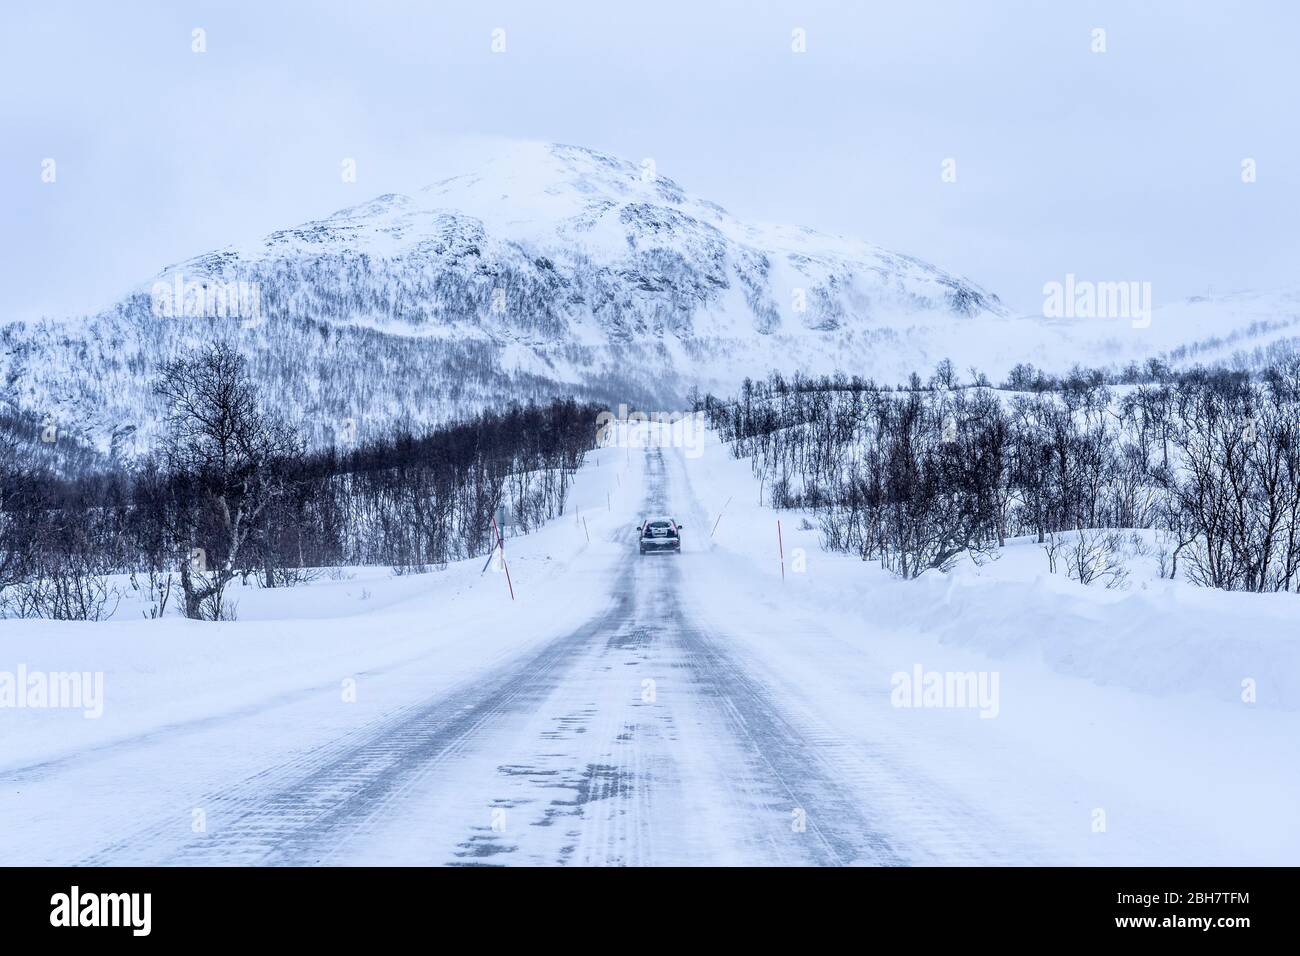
<point>626,710</point>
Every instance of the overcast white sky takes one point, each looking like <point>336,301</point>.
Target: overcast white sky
<point>1119,165</point>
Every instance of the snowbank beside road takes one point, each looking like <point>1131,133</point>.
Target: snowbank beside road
<point>1155,635</point>
<point>1121,734</point>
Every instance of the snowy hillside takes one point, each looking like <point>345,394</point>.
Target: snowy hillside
<point>553,269</point>
<point>549,269</point>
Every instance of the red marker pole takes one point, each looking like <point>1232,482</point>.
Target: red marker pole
<point>781,545</point>
<point>501,543</point>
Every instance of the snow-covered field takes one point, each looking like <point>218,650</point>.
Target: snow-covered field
<point>658,710</point>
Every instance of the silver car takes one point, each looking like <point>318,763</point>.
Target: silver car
<point>660,534</point>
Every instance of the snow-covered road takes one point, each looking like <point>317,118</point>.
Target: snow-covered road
<point>626,710</point>
<point>632,739</point>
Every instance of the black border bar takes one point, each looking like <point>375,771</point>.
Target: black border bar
<point>333,905</point>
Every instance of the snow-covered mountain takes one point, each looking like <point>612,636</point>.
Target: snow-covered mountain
<point>549,270</point>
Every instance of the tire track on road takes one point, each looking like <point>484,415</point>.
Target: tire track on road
<point>293,812</point>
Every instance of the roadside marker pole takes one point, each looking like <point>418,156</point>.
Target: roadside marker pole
<point>501,543</point>
<point>781,545</point>
<point>715,524</point>
<point>585,531</point>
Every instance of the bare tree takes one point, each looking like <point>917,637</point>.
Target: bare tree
<point>228,453</point>
<point>1096,556</point>
<point>20,496</point>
